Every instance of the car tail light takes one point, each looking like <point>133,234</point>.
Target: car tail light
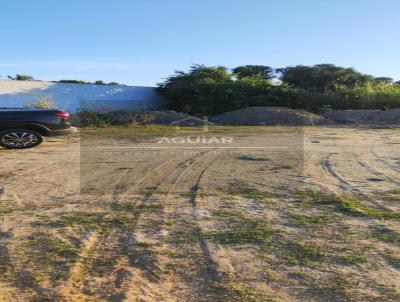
<point>62,114</point>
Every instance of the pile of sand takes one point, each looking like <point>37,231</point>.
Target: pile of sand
<point>365,116</point>
<point>252,116</point>
<point>259,116</point>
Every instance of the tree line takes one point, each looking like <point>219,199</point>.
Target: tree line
<point>24,77</point>
<point>207,90</point>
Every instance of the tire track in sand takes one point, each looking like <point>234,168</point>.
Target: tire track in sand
<point>204,272</point>
<point>159,290</point>
<point>122,242</point>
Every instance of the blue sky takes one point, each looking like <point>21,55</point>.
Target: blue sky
<point>142,42</point>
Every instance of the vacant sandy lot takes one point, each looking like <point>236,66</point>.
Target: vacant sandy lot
<point>282,214</point>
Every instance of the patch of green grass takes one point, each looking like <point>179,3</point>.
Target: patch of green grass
<point>186,233</point>
<point>99,262</point>
<point>336,289</point>
<point>296,252</point>
<point>169,222</point>
<point>393,258</point>
<point>52,247</point>
<point>101,221</point>
<point>302,254</point>
<point>348,204</point>
<point>50,256</point>
<point>241,228</point>
<point>4,261</point>
<point>352,259</point>
<point>246,232</point>
<point>5,266</point>
<point>135,209</point>
<point>314,197</point>
<point>238,293</point>
<point>243,190</point>
<point>312,221</point>
<point>7,210</point>
<point>354,206</point>
<point>386,235</point>
<point>125,207</point>
<point>172,253</point>
<point>107,261</point>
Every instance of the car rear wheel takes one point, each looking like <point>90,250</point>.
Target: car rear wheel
<point>20,139</point>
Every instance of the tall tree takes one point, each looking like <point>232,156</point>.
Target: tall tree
<point>212,90</point>
<point>321,77</point>
<point>265,72</point>
<point>387,80</point>
<point>73,82</point>
<point>195,90</point>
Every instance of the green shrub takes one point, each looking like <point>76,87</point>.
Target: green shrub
<point>43,102</point>
<point>213,90</point>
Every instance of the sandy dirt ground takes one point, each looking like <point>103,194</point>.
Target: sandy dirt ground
<point>280,214</point>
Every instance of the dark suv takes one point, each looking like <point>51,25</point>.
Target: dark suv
<point>25,128</point>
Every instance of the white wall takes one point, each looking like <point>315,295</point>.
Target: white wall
<point>71,97</point>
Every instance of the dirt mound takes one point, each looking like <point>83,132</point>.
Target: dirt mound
<point>143,117</point>
<point>269,116</point>
<point>388,117</point>
<point>252,116</point>
<point>365,116</point>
